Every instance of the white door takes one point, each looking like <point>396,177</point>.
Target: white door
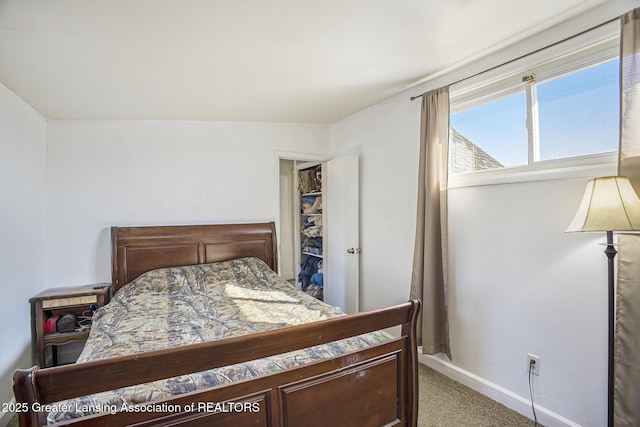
<point>341,202</point>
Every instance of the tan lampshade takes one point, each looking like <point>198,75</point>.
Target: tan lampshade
<point>609,204</point>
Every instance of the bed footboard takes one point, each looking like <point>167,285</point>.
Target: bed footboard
<point>375,386</point>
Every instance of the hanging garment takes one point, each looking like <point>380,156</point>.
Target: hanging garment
<point>307,180</point>
<point>308,268</point>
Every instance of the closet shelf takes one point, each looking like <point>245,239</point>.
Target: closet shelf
<point>312,254</point>
<point>309,220</point>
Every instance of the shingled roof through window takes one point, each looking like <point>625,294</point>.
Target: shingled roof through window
<point>468,157</point>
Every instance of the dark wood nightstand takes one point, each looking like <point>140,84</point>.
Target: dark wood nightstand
<point>60,301</point>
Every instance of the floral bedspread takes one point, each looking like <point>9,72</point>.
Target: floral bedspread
<point>185,305</point>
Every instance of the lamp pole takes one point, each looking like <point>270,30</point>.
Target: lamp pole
<point>611,252</point>
<point>609,204</point>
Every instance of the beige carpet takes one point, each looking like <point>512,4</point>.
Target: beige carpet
<point>447,403</point>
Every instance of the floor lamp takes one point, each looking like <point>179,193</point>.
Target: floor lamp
<point>609,204</point>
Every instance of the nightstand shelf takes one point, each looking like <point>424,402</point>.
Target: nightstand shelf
<point>59,301</point>
<point>64,337</point>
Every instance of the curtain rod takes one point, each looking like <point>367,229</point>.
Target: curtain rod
<point>527,54</point>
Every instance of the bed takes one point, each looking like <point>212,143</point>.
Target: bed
<point>269,356</point>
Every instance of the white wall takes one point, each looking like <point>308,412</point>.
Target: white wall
<point>22,229</point>
<point>104,173</point>
<point>385,137</point>
<point>519,284</point>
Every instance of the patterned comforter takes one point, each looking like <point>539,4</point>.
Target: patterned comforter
<point>185,305</point>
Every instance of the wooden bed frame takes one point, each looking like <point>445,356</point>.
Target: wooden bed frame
<point>136,250</point>
<point>375,386</point>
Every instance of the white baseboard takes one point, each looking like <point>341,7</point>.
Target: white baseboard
<point>499,394</point>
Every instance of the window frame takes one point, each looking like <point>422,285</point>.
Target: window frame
<point>585,50</point>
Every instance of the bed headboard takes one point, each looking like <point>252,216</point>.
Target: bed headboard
<point>136,250</point>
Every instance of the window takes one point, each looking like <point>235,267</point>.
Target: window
<point>563,107</point>
<point>579,113</point>
<point>489,136</point>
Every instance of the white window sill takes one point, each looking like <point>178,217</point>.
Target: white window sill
<point>581,167</point>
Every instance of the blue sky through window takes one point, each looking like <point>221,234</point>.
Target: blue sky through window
<point>579,112</point>
<point>499,128</point>
<point>578,115</point>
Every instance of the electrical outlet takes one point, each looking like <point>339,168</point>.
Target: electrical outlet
<point>533,364</point>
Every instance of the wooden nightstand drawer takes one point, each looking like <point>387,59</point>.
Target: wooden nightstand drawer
<point>80,300</point>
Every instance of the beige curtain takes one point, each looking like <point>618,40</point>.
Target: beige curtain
<point>627,359</point>
<point>429,275</point>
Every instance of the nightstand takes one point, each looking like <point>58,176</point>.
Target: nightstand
<point>60,301</point>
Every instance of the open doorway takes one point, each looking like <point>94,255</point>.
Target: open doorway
<point>341,253</point>
<point>286,198</point>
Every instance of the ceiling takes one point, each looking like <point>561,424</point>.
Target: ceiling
<point>296,61</point>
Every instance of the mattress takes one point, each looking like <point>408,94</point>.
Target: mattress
<point>185,305</point>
